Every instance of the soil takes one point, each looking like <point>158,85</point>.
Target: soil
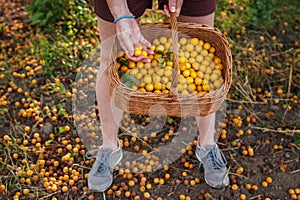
<point>275,155</point>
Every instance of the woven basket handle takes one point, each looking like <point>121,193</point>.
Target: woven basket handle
<point>173,25</point>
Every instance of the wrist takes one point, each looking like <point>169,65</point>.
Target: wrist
<point>123,17</point>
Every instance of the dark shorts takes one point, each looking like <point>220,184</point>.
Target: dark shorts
<point>138,7</point>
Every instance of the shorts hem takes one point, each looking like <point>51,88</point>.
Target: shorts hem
<point>197,14</point>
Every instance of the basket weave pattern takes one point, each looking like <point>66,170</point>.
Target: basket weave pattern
<point>174,104</point>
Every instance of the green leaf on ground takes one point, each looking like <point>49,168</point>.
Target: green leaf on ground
<point>170,120</point>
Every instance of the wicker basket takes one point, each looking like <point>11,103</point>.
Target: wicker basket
<point>174,104</point>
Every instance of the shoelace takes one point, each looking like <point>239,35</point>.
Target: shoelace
<point>103,166</point>
<point>215,162</point>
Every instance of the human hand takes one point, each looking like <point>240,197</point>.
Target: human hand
<point>129,35</point>
<point>173,6</point>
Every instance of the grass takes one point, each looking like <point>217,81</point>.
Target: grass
<point>38,152</point>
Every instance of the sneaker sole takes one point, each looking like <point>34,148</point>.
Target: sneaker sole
<point>224,184</point>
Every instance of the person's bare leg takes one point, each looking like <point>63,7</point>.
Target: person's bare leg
<point>110,115</point>
<point>206,124</point>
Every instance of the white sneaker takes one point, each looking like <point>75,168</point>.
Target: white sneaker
<point>214,164</point>
<point>101,175</point>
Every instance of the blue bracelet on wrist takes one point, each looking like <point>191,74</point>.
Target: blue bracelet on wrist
<point>123,17</point>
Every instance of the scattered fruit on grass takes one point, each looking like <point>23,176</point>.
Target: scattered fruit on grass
<point>2,187</point>
<point>161,181</point>
<point>192,182</point>
<point>26,191</point>
<point>243,197</point>
<point>269,180</point>
<point>264,184</point>
<point>127,194</point>
<point>6,138</point>
<point>277,147</point>
<point>147,195</point>
<point>156,180</point>
<point>166,167</point>
<point>131,183</point>
<point>294,193</point>
<point>50,163</point>
<point>244,152</point>
<point>250,151</point>
<point>26,128</point>
<point>254,187</point>
<point>64,189</point>
<point>207,195</point>
<point>234,187</point>
<point>239,170</point>
<point>182,197</point>
<point>291,191</point>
